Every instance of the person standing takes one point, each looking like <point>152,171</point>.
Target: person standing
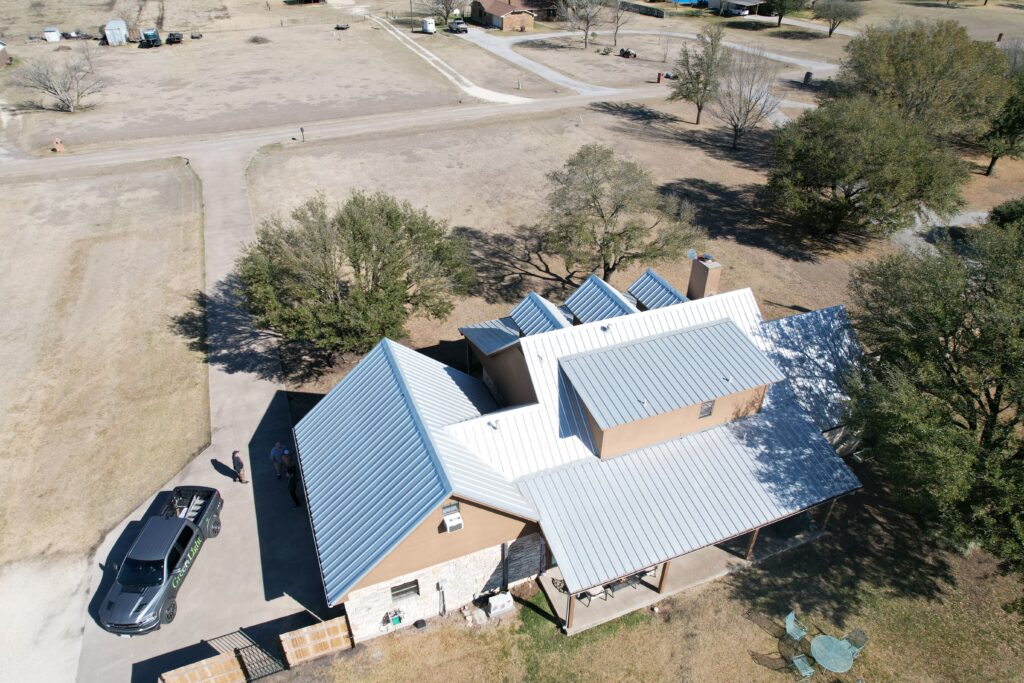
<point>292,472</point>
<point>238,465</point>
<point>276,453</point>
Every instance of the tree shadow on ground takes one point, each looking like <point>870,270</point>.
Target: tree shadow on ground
<point>645,123</point>
<point>797,34</point>
<point>549,45</point>
<point>816,87</point>
<point>218,326</point>
<point>510,265</point>
<point>870,546</point>
<point>750,25</point>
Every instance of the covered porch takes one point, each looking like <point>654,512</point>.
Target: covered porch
<point>611,601</point>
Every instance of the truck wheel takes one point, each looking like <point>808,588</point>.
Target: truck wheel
<point>214,528</point>
<point>169,611</point>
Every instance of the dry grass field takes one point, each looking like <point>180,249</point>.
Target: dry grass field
<point>99,399</point>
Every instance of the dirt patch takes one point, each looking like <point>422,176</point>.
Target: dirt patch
<point>100,401</point>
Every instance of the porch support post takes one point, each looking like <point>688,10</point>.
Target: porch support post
<point>663,579</point>
<point>828,513</point>
<point>570,605</point>
<point>751,542</point>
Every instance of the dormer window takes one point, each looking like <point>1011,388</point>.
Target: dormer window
<point>706,408</point>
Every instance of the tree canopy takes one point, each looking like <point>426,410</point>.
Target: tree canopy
<point>859,165</point>
<point>837,12</point>
<point>699,72</point>
<point>1005,137</point>
<point>606,212</point>
<point>933,72</point>
<point>939,397</point>
<point>1010,211</point>
<point>784,7</point>
<point>341,277</point>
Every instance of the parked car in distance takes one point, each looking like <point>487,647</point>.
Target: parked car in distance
<point>143,597</point>
<point>458,26</point>
<point>737,12</point>
<point>174,38</point>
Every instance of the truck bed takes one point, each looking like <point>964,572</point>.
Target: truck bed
<point>190,502</point>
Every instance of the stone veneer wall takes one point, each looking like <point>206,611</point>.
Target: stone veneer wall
<point>465,578</point>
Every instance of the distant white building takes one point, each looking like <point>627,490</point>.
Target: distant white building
<point>51,34</point>
<point>116,32</point>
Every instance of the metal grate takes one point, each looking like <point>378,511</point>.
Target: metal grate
<point>258,663</point>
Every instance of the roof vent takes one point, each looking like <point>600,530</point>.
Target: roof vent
<point>643,402</point>
<point>493,424</point>
<point>606,327</point>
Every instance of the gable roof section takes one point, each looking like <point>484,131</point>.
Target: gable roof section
<point>492,336</point>
<point>653,291</point>
<point>535,315</point>
<point>815,350</point>
<point>607,519</point>
<point>595,299</point>
<point>639,379</point>
<point>374,467</point>
<point>501,8</point>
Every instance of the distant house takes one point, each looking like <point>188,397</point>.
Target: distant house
<point>502,14</point>
<point>641,440</point>
<point>116,32</point>
<point>5,58</point>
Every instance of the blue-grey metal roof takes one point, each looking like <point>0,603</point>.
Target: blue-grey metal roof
<point>595,299</point>
<point>372,465</point>
<point>535,315</point>
<point>492,336</point>
<point>659,374</point>
<point>815,351</point>
<point>652,291</point>
<point>607,519</point>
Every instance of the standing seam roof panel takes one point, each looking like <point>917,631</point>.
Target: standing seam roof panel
<point>653,291</point>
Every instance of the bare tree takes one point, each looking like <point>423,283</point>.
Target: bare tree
<point>582,15</point>
<point>665,43</point>
<point>746,96</point>
<point>620,16</point>
<point>68,81</point>
<point>699,73</point>
<point>444,8</point>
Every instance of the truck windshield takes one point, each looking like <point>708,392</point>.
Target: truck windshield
<point>141,573</point>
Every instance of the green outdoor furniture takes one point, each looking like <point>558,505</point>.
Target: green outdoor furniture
<point>832,654</point>
<point>856,640</point>
<point>803,667</point>
<point>794,628</point>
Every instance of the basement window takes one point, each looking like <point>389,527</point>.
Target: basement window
<point>405,590</point>
<point>706,408</point>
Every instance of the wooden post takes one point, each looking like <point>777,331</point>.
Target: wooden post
<point>568,613</point>
<point>663,579</point>
<point>750,544</point>
<point>828,513</point>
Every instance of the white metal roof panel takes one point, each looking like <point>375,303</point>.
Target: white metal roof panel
<point>595,299</point>
<point>535,315</point>
<point>653,291</point>
<point>492,336</point>
<point>607,519</point>
<point>654,375</point>
<point>816,351</point>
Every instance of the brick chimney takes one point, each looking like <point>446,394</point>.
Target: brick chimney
<point>705,272</point>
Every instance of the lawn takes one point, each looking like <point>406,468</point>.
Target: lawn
<point>931,615</point>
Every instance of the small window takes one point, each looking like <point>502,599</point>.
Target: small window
<point>405,590</point>
<point>450,508</point>
<point>706,408</point>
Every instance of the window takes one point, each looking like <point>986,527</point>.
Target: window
<point>450,508</point>
<point>405,590</point>
<point>706,408</point>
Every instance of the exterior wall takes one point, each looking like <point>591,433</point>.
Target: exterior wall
<point>429,544</point>
<point>519,21</point>
<point>465,577</point>
<point>629,437</point>
<point>506,375</point>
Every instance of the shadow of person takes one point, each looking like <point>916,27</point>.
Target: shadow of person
<point>224,469</point>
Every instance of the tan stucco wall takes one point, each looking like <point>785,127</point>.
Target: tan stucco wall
<point>429,544</point>
<point>507,375</point>
<point>633,435</point>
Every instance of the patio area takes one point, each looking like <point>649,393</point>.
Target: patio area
<point>684,572</point>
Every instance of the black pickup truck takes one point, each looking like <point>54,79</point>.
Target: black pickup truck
<point>143,595</point>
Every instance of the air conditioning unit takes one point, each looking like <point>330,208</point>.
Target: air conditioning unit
<point>452,522</point>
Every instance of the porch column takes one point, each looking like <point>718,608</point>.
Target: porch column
<point>663,580</point>
<point>568,613</point>
<point>828,513</point>
<point>751,542</point>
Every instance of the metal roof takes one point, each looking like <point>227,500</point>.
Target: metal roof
<point>815,351</point>
<point>492,336</point>
<point>535,315</point>
<point>652,291</point>
<point>655,375</point>
<point>373,465</point>
<point>607,519</point>
<point>595,299</point>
